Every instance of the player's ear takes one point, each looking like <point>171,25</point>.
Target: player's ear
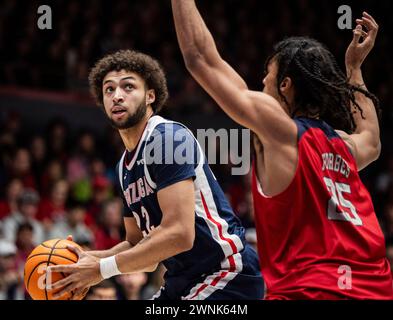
<point>150,96</point>
<point>285,85</point>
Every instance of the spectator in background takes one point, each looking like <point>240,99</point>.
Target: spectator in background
<point>38,157</point>
<point>52,173</point>
<point>78,167</point>
<point>132,285</point>
<point>79,164</point>
<point>53,209</point>
<point>10,279</point>
<point>13,126</point>
<point>155,282</point>
<point>20,168</point>
<point>24,244</point>
<point>102,192</point>
<point>74,225</point>
<point>27,211</point>
<point>97,168</point>
<point>105,290</point>
<point>13,191</point>
<point>8,143</point>
<point>111,229</point>
<point>57,140</point>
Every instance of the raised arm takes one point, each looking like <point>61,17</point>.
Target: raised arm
<point>255,110</point>
<point>365,141</point>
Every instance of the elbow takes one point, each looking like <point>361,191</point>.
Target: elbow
<point>192,60</point>
<point>377,150</point>
<point>374,151</point>
<point>151,268</point>
<point>184,240</point>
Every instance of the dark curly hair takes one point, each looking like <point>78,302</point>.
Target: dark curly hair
<point>143,65</point>
<point>321,88</point>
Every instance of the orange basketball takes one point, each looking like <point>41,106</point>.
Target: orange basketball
<point>48,253</point>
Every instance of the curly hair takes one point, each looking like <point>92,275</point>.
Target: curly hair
<point>129,60</point>
<point>321,88</point>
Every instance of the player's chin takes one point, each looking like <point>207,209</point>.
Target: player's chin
<point>120,124</point>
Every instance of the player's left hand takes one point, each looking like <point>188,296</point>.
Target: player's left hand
<point>81,275</point>
<point>358,50</point>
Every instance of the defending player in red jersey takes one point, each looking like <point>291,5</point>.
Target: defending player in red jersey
<point>318,235</point>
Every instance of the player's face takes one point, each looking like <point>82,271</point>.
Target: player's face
<point>270,80</point>
<point>124,98</point>
<point>270,85</point>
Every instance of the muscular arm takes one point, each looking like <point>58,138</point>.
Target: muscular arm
<point>122,246</point>
<point>174,235</point>
<point>133,237</point>
<point>255,110</point>
<point>366,138</point>
<point>365,141</point>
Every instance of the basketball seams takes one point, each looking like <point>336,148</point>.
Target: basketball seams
<point>48,261</point>
<point>48,247</point>
<point>54,255</point>
<point>42,244</point>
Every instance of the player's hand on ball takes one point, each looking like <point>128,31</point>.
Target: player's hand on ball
<point>81,275</point>
<point>358,50</point>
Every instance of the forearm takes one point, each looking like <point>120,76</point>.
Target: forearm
<point>122,246</point>
<point>195,40</point>
<point>159,245</point>
<point>369,121</point>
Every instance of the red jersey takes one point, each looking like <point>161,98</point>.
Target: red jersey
<point>320,238</point>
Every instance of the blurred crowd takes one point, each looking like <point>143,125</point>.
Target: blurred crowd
<point>55,181</point>
<point>58,184</point>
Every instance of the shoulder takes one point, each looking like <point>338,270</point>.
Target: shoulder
<point>271,121</point>
<point>169,131</point>
<point>170,126</point>
<point>347,140</point>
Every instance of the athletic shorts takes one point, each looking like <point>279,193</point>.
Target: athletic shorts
<point>221,284</point>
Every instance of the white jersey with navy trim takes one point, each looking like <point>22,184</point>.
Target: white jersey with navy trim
<point>219,236</point>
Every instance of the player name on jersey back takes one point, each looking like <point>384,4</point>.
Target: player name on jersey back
<point>335,162</point>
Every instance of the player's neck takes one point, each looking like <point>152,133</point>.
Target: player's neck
<point>302,114</point>
<point>131,136</point>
